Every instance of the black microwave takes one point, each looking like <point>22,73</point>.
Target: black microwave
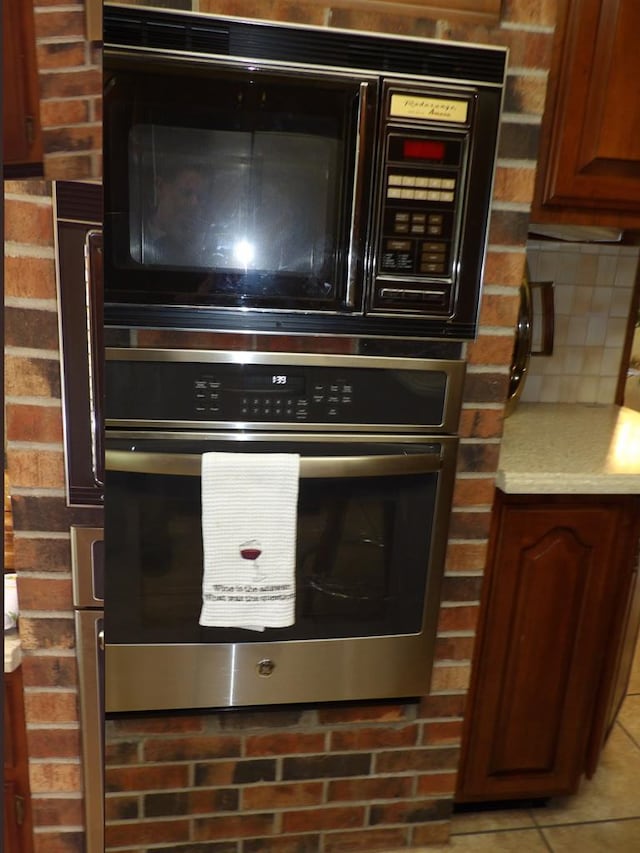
<point>265,177</point>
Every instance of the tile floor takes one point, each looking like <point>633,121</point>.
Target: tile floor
<point>603,816</point>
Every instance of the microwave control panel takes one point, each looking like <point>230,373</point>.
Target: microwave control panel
<point>420,203</point>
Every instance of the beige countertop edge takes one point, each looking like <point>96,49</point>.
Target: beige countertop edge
<point>560,448</point>
<point>12,651</point>
<point>517,483</point>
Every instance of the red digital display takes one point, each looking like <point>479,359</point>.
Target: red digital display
<point>423,149</point>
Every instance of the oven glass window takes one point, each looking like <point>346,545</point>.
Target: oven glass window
<point>363,548</point>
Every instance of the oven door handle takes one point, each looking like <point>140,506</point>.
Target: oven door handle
<point>311,467</point>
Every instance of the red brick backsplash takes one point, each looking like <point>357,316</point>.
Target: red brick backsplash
<point>41,517</point>
<point>70,80</point>
<point>360,776</point>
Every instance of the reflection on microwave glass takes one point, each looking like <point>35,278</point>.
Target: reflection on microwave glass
<point>231,200</point>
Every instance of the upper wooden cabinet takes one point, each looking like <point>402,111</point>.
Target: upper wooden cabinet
<point>21,129</point>
<point>589,169</point>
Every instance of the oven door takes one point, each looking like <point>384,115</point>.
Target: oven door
<point>232,187</point>
<point>371,528</point>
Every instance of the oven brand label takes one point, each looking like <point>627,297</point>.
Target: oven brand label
<point>434,109</point>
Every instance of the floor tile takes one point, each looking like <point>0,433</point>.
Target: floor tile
<point>515,841</point>
<point>620,836</point>
<point>634,680</point>
<point>629,717</point>
<point>613,793</point>
<point>483,821</point>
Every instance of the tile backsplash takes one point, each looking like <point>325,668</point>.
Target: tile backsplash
<point>593,286</point>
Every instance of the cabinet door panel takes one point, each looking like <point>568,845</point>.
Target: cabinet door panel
<point>590,157</point>
<point>22,138</point>
<point>552,592</point>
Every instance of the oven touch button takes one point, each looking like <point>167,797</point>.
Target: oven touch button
<point>265,667</point>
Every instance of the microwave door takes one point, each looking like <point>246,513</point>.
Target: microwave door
<point>260,207</point>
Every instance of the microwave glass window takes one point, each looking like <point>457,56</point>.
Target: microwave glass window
<point>236,201</point>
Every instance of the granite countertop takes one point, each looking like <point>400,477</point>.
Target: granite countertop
<point>554,448</point>
<point>12,651</point>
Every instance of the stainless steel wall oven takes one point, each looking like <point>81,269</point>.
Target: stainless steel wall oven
<point>286,179</point>
<point>377,448</point>
<point>87,562</point>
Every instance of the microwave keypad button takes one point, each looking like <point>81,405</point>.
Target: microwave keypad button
<point>398,245</point>
<point>447,197</point>
<point>421,195</point>
<point>395,180</point>
<point>407,193</point>
<point>434,247</point>
<point>408,181</point>
<point>401,216</point>
<point>433,268</point>
<point>401,228</point>
<point>432,258</point>
<point>394,192</point>
<point>436,219</point>
<point>418,217</point>
<point>434,230</point>
<point>417,229</point>
<point>448,183</point>
<point>434,183</point>
<point>422,182</point>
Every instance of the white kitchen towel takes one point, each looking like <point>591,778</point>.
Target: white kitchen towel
<point>249,515</point>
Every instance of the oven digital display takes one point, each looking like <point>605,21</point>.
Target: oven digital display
<point>290,383</point>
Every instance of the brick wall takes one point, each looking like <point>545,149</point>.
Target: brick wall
<point>41,518</point>
<point>366,776</point>
<point>70,80</point>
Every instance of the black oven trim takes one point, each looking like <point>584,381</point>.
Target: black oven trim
<point>146,29</point>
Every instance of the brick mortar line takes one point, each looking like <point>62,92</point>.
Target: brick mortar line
<point>61,762</point>
<point>42,200</point>
<point>40,446</point>
<point>40,830</point>
<point>476,369</point>
<point>31,492</point>
<point>31,352</point>
<point>44,402</point>
<point>27,250</point>
<point>47,614</point>
<point>372,753</point>
<point>527,71</point>
<point>520,118</point>
<point>31,303</point>
<point>42,534</point>
<point>545,29</point>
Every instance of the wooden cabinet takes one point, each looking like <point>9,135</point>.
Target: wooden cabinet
<point>550,657</point>
<point>80,285</point>
<point>17,830</point>
<point>589,171</point>
<point>21,130</point>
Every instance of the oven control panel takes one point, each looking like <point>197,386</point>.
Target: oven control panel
<point>275,396</point>
<point>317,391</point>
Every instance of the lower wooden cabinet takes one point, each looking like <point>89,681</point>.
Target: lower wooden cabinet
<point>557,627</point>
<point>17,829</point>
